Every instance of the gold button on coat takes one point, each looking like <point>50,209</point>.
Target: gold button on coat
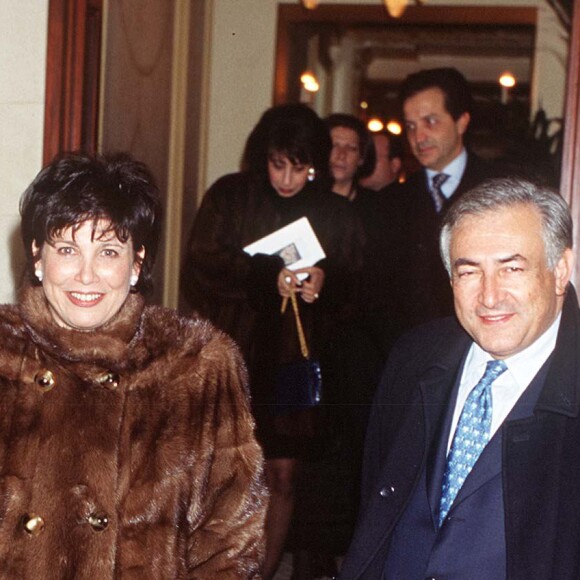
<point>109,380</point>
<point>45,380</point>
<point>33,524</point>
<point>98,522</point>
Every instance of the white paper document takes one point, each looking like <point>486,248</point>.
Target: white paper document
<point>295,243</point>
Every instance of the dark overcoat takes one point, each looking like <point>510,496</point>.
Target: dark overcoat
<point>425,289</point>
<point>540,454</point>
<point>239,293</point>
<point>125,452</point>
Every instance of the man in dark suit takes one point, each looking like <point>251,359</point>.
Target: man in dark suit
<point>436,107</point>
<point>472,459</point>
<point>388,163</point>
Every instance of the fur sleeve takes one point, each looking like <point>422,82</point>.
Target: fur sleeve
<point>227,510</point>
<point>215,264</point>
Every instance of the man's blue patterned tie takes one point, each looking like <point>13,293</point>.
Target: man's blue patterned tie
<point>471,436</point>
<point>438,198</point>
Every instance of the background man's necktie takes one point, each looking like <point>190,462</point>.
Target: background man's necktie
<point>471,436</point>
<point>438,198</point>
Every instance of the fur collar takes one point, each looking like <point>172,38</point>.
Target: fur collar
<point>110,345</point>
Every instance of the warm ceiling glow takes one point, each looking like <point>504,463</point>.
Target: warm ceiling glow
<point>507,80</point>
<point>396,7</point>
<point>394,127</point>
<point>375,125</point>
<point>310,4</point>
<point>309,82</point>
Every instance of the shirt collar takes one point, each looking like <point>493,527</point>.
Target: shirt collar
<point>455,170</point>
<point>524,365</point>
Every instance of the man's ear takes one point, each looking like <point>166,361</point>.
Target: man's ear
<point>396,165</point>
<point>463,122</point>
<point>563,271</point>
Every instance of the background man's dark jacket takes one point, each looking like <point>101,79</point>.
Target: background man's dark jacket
<point>425,283</point>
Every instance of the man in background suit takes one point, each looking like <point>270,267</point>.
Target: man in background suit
<point>436,107</point>
<point>471,476</point>
<point>388,164</point>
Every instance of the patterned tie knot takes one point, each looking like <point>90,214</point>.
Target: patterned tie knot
<point>437,195</point>
<point>471,436</point>
<point>438,180</point>
<point>493,369</point>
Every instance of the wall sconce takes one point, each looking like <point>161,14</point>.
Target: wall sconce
<point>309,82</point>
<point>310,4</point>
<point>375,125</point>
<point>394,127</point>
<point>507,81</point>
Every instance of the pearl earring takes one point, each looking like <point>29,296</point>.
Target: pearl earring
<point>311,174</point>
<point>38,274</point>
<point>134,279</point>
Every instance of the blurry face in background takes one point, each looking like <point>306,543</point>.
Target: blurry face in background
<point>346,156</point>
<point>86,277</point>
<point>386,169</point>
<point>436,139</point>
<point>286,178</point>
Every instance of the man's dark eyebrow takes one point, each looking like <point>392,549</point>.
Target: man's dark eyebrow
<point>464,262</point>
<point>513,258</point>
<point>467,262</point>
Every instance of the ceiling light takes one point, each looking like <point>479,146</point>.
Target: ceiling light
<point>309,82</point>
<point>394,127</point>
<point>396,7</point>
<point>507,80</point>
<point>375,125</point>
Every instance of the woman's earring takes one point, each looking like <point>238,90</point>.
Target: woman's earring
<point>38,274</point>
<point>311,174</point>
<point>134,279</point>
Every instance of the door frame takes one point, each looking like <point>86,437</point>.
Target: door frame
<point>72,77</point>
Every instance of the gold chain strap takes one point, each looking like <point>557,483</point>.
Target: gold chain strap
<point>299,328</point>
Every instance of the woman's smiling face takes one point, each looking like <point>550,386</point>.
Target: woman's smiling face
<point>86,274</point>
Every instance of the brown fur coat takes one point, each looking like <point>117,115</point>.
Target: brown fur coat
<point>148,472</point>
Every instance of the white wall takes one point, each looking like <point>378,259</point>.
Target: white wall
<point>241,77</point>
<point>23,29</point>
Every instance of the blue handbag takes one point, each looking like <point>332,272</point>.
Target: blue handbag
<point>298,384</point>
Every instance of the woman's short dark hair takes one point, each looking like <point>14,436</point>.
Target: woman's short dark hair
<point>77,187</point>
<point>365,141</point>
<point>294,130</point>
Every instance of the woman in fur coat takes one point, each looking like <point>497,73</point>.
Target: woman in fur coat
<point>286,177</point>
<point>126,441</point>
